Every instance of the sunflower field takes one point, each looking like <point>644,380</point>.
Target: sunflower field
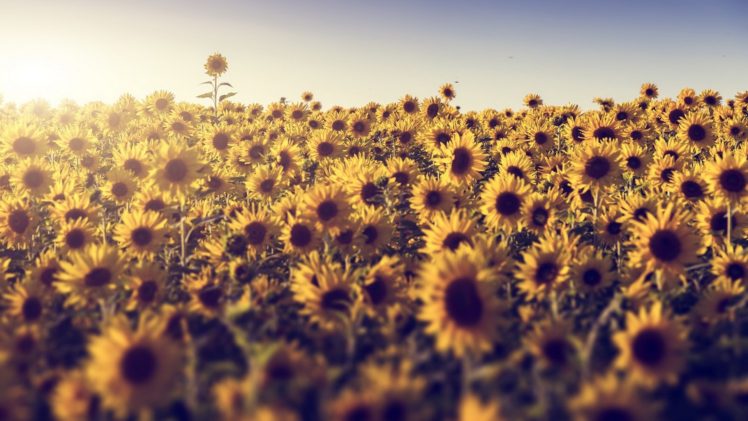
<point>402,261</point>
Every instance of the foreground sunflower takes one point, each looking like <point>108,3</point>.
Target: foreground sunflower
<point>502,200</point>
<point>89,274</point>
<point>133,369</point>
<point>665,244</point>
<point>460,307</point>
<point>652,347</point>
<point>175,170</point>
<point>141,234</point>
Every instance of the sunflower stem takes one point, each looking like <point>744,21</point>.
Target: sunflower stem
<point>602,320</point>
<point>729,224</point>
<point>182,236</point>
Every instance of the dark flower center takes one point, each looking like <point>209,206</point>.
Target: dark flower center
<point>301,235</point>
<point>541,138</point>
<point>147,291</point>
<point>604,133</point>
<point>175,170</point>
<point>633,162</point>
<point>325,149</point>
<point>31,309</point>
<point>19,221</point>
<point>649,347</point>
<point>665,245</point>
<point>370,234</point>
<point>691,189</point>
<point>539,217</point>
<point>255,232</point>
<point>75,238</point>
<point>462,160</point>
<point>463,302</point>
<point>614,228</point>
<point>139,365</point>
<point>732,180</point>
<point>33,178</point>
<point>220,141</point>
<point>336,300</point>
<point>508,203</point>
<point>327,210</point>
<point>97,277</point>
<point>546,273</point>
<point>376,290</point>
<point>141,236</point>
<point>134,166</point>
<point>555,351</point>
<point>597,167</point>
<point>210,296</point>
<point>24,146</point>
<point>735,271</point>
<point>696,133</point>
<point>433,199</point>
<point>454,239</point>
<point>591,277</point>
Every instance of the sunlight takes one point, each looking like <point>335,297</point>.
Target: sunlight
<point>48,75</point>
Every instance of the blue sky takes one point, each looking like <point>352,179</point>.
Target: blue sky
<point>351,52</point>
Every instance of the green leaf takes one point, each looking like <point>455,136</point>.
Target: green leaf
<point>206,95</point>
<point>225,84</point>
<point>209,82</point>
<point>224,96</point>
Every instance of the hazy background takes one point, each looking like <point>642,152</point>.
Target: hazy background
<point>351,52</point>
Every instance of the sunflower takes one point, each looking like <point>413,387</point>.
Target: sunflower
<point>216,65</point>
<point>662,173</point>
<point>610,398</point>
<point>325,144</point>
<point>325,290</point>
<point>175,170</point>
<point>132,157</point>
<point>148,285</point>
<point>141,234</point>
<point>697,130</point>
<point>720,301</point>
<point>649,90</point>
<point>32,177</point>
<point>432,196</point>
<point>447,92</point>
<point>447,232</point>
<point>120,186</point>
<point>540,135</point>
<point>532,101</point>
<point>287,156</point>
<point>89,273</point>
<point>573,130</point>
<point>133,369</point>
<point>595,166</point>
<point>327,206</point>
<point>539,212</point>
<point>257,225</point>
<point>384,284</point>
<point>518,164</point>
<point>17,222</point>
<point>264,183</point>
<point>23,139</point>
<point>27,301</point>
<point>76,139</point>
<point>687,97</point>
<point>403,171</point>
<point>591,271</point>
<point>728,177</point>
<point>553,345</point>
<point>150,198</point>
<point>689,184</point>
<point>374,230</point>
<point>634,158</point>
<point>459,303</point>
<point>652,347</point>
<point>299,236</point>
<point>75,235</point>
<point>502,199</point>
<point>463,159</point>
<point>730,264</point>
<point>159,103</point>
<point>544,267</point>
<point>45,269</point>
<point>219,181</point>
<point>712,222</point>
<point>219,138</point>
<point>600,127</point>
<point>664,243</point>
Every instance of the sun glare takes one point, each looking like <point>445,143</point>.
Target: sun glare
<point>46,76</point>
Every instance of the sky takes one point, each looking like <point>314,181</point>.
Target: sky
<point>351,52</point>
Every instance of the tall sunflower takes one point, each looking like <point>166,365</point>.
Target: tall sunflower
<point>460,306</point>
